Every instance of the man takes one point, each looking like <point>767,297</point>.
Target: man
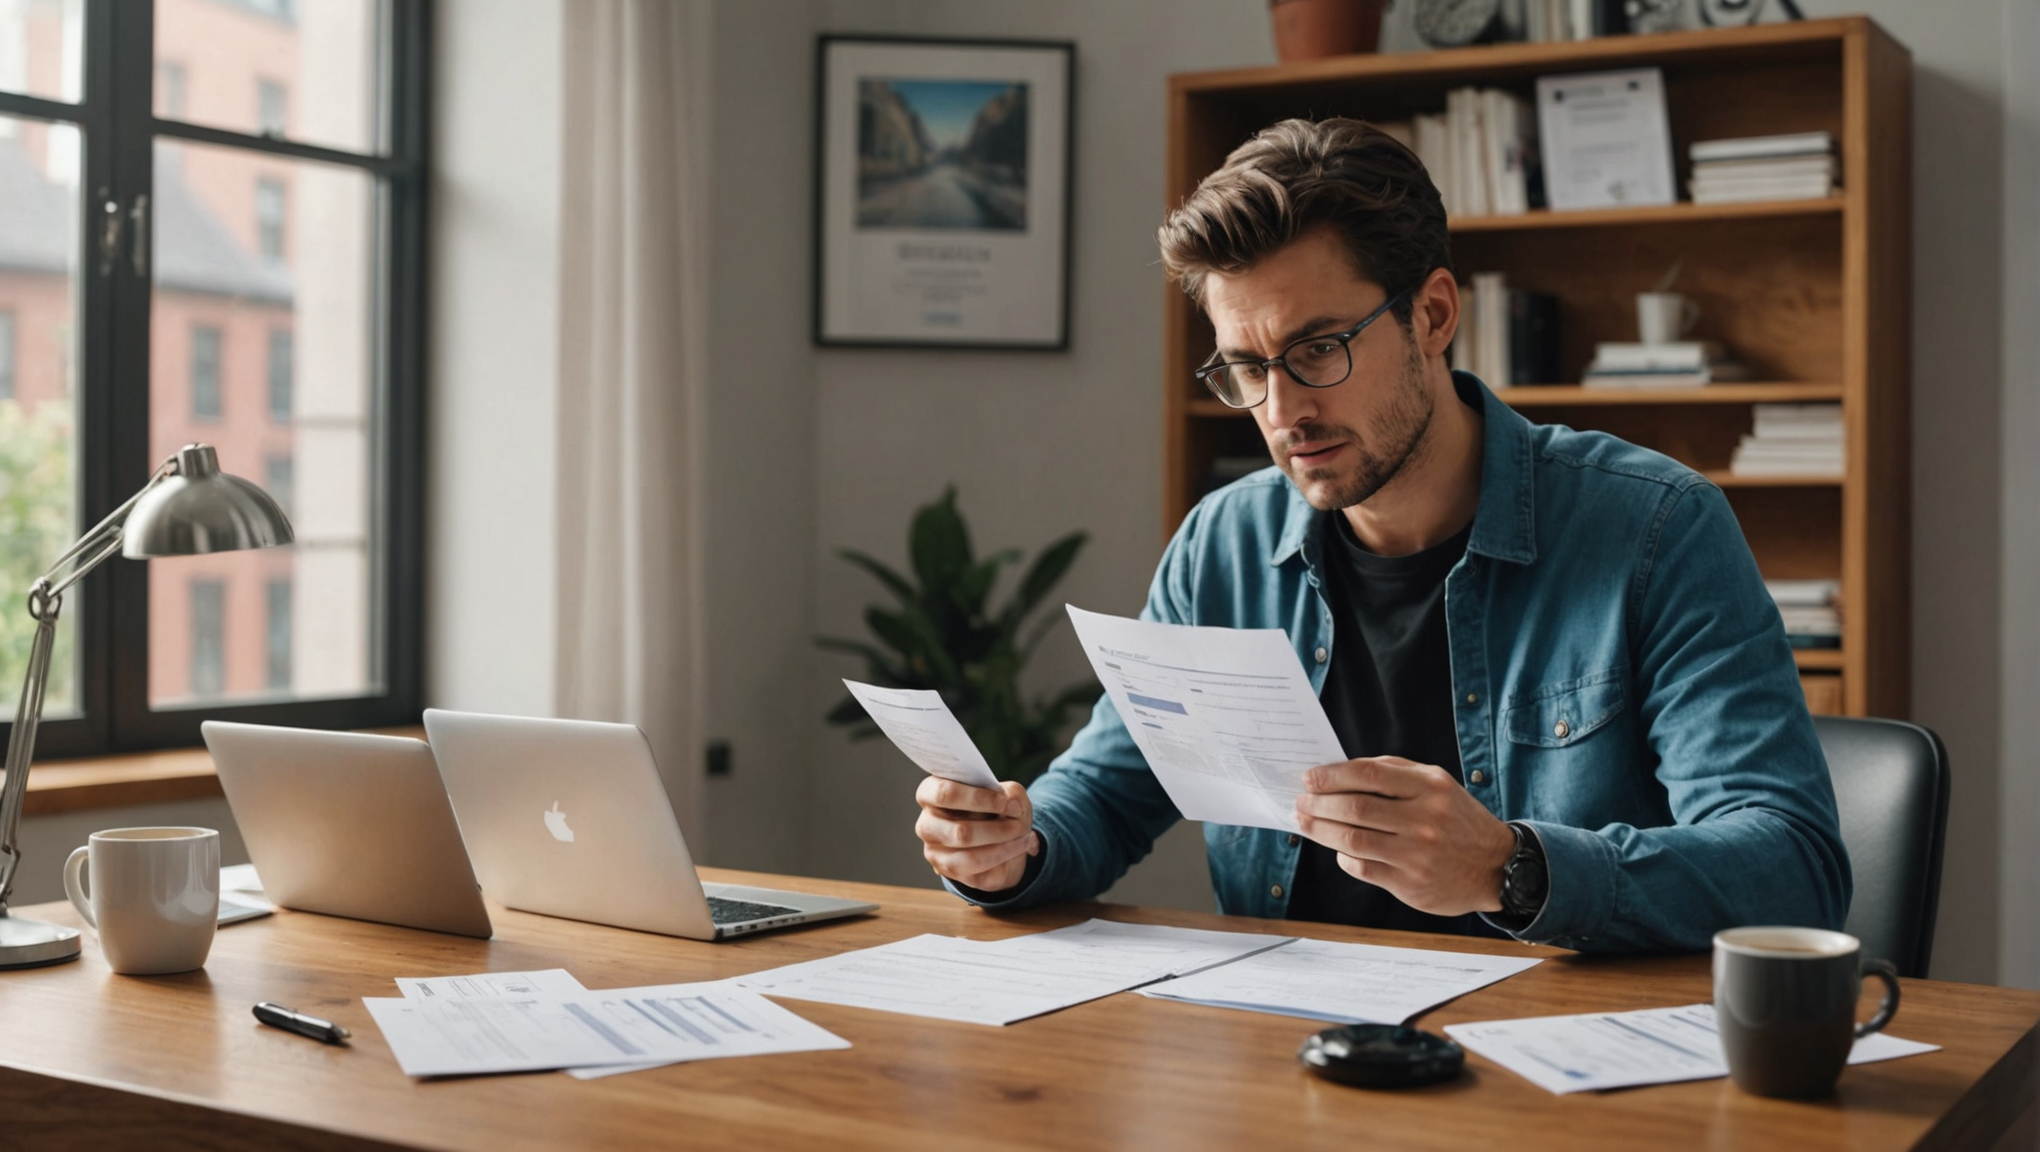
<point>1572,709</point>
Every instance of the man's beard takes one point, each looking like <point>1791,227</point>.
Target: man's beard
<point>1400,435</point>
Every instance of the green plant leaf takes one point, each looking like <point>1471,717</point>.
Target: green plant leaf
<point>928,660</point>
<point>940,546</point>
<point>884,575</point>
<point>883,667</point>
<point>1048,570</point>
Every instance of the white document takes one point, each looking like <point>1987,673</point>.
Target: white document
<point>480,984</point>
<point>1606,139</point>
<point>950,979</point>
<point>921,725</point>
<point>1226,717</point>
<point>1622,1049</point>
<point>1138,952</point>
<point>1343,983</point>
<point>667,1024</point>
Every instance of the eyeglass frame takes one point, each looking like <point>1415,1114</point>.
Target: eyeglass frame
<point>1281,360</point>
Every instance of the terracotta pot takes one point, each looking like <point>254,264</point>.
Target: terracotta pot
<point>1312,29</point>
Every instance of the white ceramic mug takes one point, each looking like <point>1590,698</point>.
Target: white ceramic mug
<point>152,894</point>
<point>1663,317</point>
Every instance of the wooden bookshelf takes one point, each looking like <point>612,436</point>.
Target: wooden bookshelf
<point>1813,295</point>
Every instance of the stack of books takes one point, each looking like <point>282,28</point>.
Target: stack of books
<point>1481,152</point>
<point>1507,336</point>
<point>1809,607</point>
<point>1796,167</point>
<point>1682,364</point>
<point>1791,440</point>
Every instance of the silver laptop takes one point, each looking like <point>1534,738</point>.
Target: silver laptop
<point>569,818</point>
<point>349,825</point>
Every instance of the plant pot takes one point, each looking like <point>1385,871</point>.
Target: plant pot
<point>1313,29</point>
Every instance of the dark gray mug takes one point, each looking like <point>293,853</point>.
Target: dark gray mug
<point>1785,1001</point>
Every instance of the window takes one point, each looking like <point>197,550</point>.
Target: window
<point>280,353</point>
<point>208,637</point>
<point>276,167</point>
<point>278,647</point>
<point>269,219</point>
<point>205,373</point>
<point>6,354</point>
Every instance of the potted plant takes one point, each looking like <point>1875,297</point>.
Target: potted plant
<point>1312,29</point>
<point>941,633</point>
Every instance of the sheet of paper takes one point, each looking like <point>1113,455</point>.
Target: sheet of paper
<point>1564,1054</point>
<point>1226,717</point>
<point>1605,139</point>
<point>668,1024</point>
<point>921,725</point>
<point>1343,983</point>
<point>950,979</point>
<point>1155,951</point>
<point>550,981</point>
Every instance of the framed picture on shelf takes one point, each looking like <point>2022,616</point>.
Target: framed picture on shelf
<point>942,192</point>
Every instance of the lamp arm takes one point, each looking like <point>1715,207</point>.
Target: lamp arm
<point>45,604</point>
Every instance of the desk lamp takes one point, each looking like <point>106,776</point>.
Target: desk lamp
<point>188,507</point>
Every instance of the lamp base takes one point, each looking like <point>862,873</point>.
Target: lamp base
<point>33,943</point>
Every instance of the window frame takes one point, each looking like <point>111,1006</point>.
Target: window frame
<point>110,608</point>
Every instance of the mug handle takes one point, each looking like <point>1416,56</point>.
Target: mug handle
<point>1883,970</point>
<point>74,883</point>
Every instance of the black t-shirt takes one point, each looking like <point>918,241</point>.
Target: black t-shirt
<point>1388,692</point>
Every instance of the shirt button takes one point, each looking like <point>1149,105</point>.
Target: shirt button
<point>1561,729</point>
<point>1321,655</point>
<point>1294,839</point>
<point>1472,698</point>
<point>1478,777</point>
<point>1276,891</point>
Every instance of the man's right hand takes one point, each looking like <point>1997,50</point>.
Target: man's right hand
<point>979,837</point>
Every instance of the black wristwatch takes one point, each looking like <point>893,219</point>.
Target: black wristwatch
<point>1526,880</point>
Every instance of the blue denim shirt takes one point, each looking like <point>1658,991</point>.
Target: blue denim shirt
<point>1623,682</point>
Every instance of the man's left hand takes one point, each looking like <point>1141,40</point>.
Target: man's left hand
<point>1410,828</point>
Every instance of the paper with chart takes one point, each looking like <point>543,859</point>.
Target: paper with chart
<point>1564,1054</point>
<point>480,984</point>
<point>1226,717</point>
<point>922,726</point>
<point>1343,983</point>
<point>459,1036</point>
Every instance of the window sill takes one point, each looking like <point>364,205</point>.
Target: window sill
<point>132,778</point>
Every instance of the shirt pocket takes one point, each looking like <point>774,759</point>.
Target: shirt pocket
<point>1563,714</point>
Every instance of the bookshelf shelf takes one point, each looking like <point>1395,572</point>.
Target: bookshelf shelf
<point>1682,213</point>
<point>1813,295</point>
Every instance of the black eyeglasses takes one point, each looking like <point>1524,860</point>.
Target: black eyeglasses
<point>1314,362</point>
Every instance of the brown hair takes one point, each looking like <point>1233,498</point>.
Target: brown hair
<point>1298,175</point>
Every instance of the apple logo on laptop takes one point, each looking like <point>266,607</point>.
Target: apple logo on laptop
<point>556,823</point>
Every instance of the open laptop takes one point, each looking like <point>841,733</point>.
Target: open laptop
<point>569,818</point>
<point>348,824</point>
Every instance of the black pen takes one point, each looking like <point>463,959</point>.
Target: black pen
<point>291,1020</point>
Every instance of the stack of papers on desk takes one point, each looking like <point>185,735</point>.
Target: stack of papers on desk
<point>1343,983</point>
<point>1624,1049</point>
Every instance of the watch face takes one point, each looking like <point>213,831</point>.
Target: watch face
<point>1454,23</point>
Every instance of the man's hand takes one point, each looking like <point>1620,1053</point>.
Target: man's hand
<point>978,837</point>
<point>1409,828</point>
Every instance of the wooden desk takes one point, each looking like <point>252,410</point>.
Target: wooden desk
<point>90,1059</point>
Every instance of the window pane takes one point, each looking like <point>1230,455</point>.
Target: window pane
<point>38,468</point>
<point>42,48</point>
<point>306,69</point>
<point>279,633</point>
<point>208,637</point>
<point>285,391</point>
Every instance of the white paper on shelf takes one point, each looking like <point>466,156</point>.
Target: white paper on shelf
<point>1583,1053</point>
<point>667,1024</point>
<point>1226,717</point>
<point>1343,983</point>
<point>921,725</point>
<point>476,985</point>
<point>1605,139</point>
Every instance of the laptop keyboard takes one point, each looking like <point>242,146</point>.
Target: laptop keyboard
<point>724,911</point>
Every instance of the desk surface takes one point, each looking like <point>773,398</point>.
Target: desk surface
<point>131,1060</point>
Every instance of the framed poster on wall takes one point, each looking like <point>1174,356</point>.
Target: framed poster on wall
<point>942,192</point>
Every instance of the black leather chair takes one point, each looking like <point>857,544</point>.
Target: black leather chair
<point>1891,790</point>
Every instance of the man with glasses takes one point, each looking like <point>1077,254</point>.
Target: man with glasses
<point>1572,711</point>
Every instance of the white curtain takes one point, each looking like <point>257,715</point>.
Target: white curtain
<point>630,631</point>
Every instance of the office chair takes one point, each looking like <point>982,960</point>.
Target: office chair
<point>1891,791</point>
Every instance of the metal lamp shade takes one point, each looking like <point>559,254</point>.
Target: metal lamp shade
<point>202,509</point>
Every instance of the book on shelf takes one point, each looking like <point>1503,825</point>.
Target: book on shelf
<point>1481,152</point>
<point>1680,364</point>
<point>1811,611</point>
<point>1792,440</point>
<point>1801,166</point>
<point>1507,336</point>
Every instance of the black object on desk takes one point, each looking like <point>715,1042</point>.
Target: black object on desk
<point>291,1020</point>
<point>1382,1056</point>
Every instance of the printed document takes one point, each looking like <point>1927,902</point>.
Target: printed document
<point>1605,139</point>
<point>1564,1054</point>
<point>669,1023</point>
<point>1139,952</point>
<point>1226,717</point>
<point>921,725</point>
<point>1343,983</point>
<point>478,984</point>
